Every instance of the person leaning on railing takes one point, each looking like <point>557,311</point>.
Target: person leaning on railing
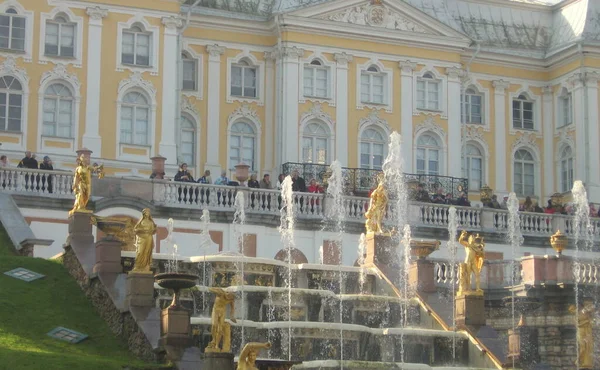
<point>46,180</point>
<point>183,175</point>
<point>30,162</point>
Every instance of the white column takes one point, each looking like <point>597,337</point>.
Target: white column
<point>548,132</point>
<point>91,137</point>
<point>406,112</point>
<point>341,107</point>
<point>170,111</point>
<point>269,114</point>
<point>454,124</point>
<point>213,100</point>
<point>500,156</point>
<point>289,108</point>
<point>593,134</point>
<point>577,93</point>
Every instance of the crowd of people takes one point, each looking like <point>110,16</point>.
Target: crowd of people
<point>30,162</point>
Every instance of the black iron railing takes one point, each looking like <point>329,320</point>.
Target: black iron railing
<point>361,180</point>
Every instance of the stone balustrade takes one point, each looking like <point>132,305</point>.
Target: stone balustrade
<point>269,202</point>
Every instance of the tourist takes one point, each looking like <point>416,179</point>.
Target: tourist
<point>527,206</point>
<point>47,166</point>
<point>265,183</point>
<point>206,179</point>
<point>439,197</point>
<point>298,183</point>
<point>463,201</point>
<point>280,179</point>
<point>421,195</point>
<point>28,162</point>
<point>314,187</point>
<point>183,175</point>
<point>253,182</point>
<point>223,180</point>
<point>6,175</point>
<point>4,162</point>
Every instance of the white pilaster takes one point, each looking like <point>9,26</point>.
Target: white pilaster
<point>548,133</point>
<point>167,146</point>
<point>593,134</point>
<point>406,112</point>
<point>577,91</point>
<point>341,107</point>
<point>500,155</point>
<point>454,124</point>
<point>91,136</point>
<point>213,100</point>
<point>269,114</point>
<point>289,108</point>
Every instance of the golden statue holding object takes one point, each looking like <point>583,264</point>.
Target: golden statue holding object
<point>82,183</point>
<point>475,248</point>
<point>144,242</point>
<point>249,354</point>
<point>377,208</point>
<point>220,330</point>
<point>585,338</point>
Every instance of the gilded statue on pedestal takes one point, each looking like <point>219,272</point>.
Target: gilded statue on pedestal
<point>82,183</point>
<point>220,330</point>
<point>144,242</point>
<point>585,338</point>
<point>377,209</point>
<point>248,356</point>
<point>474,246</point>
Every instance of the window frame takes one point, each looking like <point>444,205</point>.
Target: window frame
<point>199,60</point>
<point>9,92</point>
<point>566,168</point>
<point>522,99</point>
<point>57,111</point>
<point>246,66</point>
<point>371,143</point>
<point>254,135</point>
<point>11,16</point>
<point>388,75</point>
<point>77,59</point>
<point>468,168</point>
<point>565,109</point>
<point>523,162</point>
<point>314,67</point>
<point>427,81</point>
<point>194,130</point>
<point>314,139</point>
<point>27,53</point>
<point>135,107</point>
<point>61,24</point>
<point>260,77</point>
<point>136,34</point>
<point>154,45</point>
<point>371,75</point>
<point>467,104</point>
<point>186,57</point>
<point>440,149</point>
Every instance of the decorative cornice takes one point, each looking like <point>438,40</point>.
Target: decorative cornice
<point>526,139</point>
<point>342,59</point>
<point>373,119</point>
<point>59,72</point>
<point>592,77</point>
<point>430,125</point>
<point>455,73</point>
<point>189,107</point>
<point>215,51</point>
<point>9,67</point>
<point>316,112</point>
<point>136,79</point>
<point>500,86</point>
<point>245,111</point>
<point>576,80</point>
<point>291,52</point>
<point>172,23</point>
<point>407,66</point>
<point>96,13</point>
<point>473,132</point>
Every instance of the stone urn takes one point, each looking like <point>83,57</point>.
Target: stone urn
<point>486,193</point>
<point>423,248</point>
<point>117,228</point>
<point>559,242</point>
<point>175,281</point>
<point>242,172</point>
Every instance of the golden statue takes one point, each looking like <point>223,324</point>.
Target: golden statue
<point>220,330</point>
<point>144,242</point>
<point>82,183</point>
<point>585,339</point>
<point>377,209</point>
<point>474,246</point>
<point>248,356</point>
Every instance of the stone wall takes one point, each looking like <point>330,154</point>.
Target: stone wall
<point>122,324</point>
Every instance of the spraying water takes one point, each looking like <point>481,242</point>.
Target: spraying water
<point>516,240</point>
<point>362,248</point>
<point>406,244</point>
<point>205,243</point>
<point>172,263</point>
<point>239,219</point>
<point>452,233</point>
<point>286,230</point>
<point>335,191</point>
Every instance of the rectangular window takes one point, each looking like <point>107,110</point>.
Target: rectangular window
<point>136,49</point>
<point>141,126</point>
<point>308,81</point>
<point>126,124</point>
<point>523,114</point>
<point>12,32</point>
<point>372,88</point>
<point>189,75</point>
<point>471,109</point>
<point>365,155</point>
<point>428,95</point>
<point>566,105</point>
<point>60,39</point>
<point>243,81</point>
<point>365,88</point>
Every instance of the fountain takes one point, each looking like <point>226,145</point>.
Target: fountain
<point>515,239</point>
<point>362,250</point>
<point>286,229</point>
<point>452,234</point>
<point>239,219</point>
<point>176,281</point>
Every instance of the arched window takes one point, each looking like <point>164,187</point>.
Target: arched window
<point>523,113</point>
<point>565,105</point>
<point>136,46</point>
<point>524,173</point>
<point>11,104</point>
<point>473,167</point>
<point>372,86</point>
<point>315,139</point>
<point>187,145</point>
<point>243,79</point>
<point>566,169</point>
<point>428,155</point>
<point>316,80</point>
<point>12,30</point>
<point>60,37</point>
<point>190,68</point>
<point>58,111</point>
<point>242,142</point>
<point>135,117</point>
<point>372,149</point>
<point>428,92</point>
<point>472,107</point>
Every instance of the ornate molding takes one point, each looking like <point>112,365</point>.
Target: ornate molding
<point>9,67</point>
<point>342,59</point>
<point>576,80</point>
<point>373,119</point>
<point>500,86</point>
<point>291,52</point>
<point>378,15</point>
<point>592,77</point>
<point>316,112</point>
<point>59,72</point>
<point>455,73</point>
<point>215,51</point>
<point>172,23</point>
<point>245,111</point>
<point>96,13</point>
<point>407,66</point>
<point>430,125</point>
<point>526,139</point>
<point>189,107</point>
<point>547,90</point>
<point>136,79</point>
<point>474,133</point>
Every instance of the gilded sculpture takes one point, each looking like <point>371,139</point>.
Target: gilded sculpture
<point>82,183</point>
<point>249,354</point>
<point>585,338</point>
<point>377,208</point>
<point>474,246</point>
<point>220,330</point>
<point>144,242</point>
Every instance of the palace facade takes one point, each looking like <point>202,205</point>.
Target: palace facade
<point>504,93</point>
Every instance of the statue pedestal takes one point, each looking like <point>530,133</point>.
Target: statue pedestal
<point>175,328</point>
<point>523,346</point>
<point>219,360</point>
<point>108,256</point>
<point>420,276</point>
<point>140,289</point>
<point>470,310</point>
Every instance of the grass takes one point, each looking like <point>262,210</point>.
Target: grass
<point>28,311</point>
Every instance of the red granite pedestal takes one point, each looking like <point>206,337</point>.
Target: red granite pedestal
<point>470,310</point>
<point>108,256</point>
<point>420,276</point>
<point>140,289</point>
<point>175,327</point>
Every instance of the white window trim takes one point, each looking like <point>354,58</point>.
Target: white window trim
<point>331,80</point>
<point>132,84</point>
<point>443,93</point>
<point>154,46</point>
<point>474,84</point>
<point>537,184</point>
<point>59,75</point>
<point>199,93</point>
<point>27,55</point>
<point>387,90</point>
<point>192,113</point>
<point>250,116</point>
<point>379,124</point>
<point>443,150</point>
<point>77,59</point>
<point>564,142</point>
<point>260,76</point>
<point>537,111</point>
<point>485,152</point>
<point>558,100</point>
<point>9,68</point>
<point>330,138</point>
